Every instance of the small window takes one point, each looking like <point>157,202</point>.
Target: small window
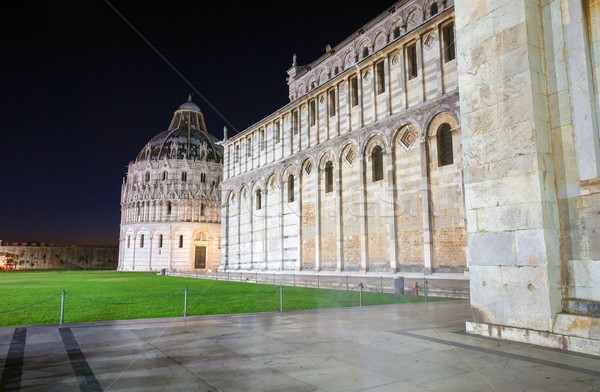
<point>331,103</point>
<point>354,91</point>
<point>444,144</point>
<point>147,176</point>
<point>160,240</point>
<point>396,32</point>
<point>295,122</point>
<point>277,132</point>
<point>450,50</point>
<point>183,176</point>
<point>138,210</point>
<point>142,241</point>
<point>165,176</point>
<point>377,163</point>
<point>258,199</point>
<point>411,52</point>
<point>249,147</point>
<point>434,9</point>
<point>201,209</point>
<point>380,68</point>
<point>290,188</point>
<point>328,177</point>
<point>336,71</point>
<point>262,139</point>
<point>313,112</point>
<point>203,177</point>
<point>168,208</point>
<point>365,52</point>
<point>129,241</point>
<point>181,241</point>
<point>236,157</point>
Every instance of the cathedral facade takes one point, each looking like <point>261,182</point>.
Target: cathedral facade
<point>362,171</point>
<point>170,199</point>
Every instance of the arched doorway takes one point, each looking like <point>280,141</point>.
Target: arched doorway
<point>200,247</point>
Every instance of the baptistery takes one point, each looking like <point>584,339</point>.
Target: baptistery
<point>170,199</point>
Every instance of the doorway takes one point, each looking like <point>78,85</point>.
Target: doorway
<point>200,258</point>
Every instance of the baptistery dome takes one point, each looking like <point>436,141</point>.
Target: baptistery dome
<point>170,199</point>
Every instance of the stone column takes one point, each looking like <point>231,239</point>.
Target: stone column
<point>281,232</point>
<point>424,195</point>
<point>511,202</point>
<point>265,226</point>
<point>364,243</point>
<point>338,219</point>
<point>299,212</point>
<point>392,248</point>
<point>318,217</point>
<point>150,253</point>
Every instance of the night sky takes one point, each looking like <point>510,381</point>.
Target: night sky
<point>82,93</point>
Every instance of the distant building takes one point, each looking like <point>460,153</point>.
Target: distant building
<point>170,199</point>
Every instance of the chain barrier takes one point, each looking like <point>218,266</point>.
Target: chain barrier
<point>232,299</point>
<point>30,305</point>
<point>446,288</point>
<point>122,303</point>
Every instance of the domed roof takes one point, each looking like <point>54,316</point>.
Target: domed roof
<point>186,138</point>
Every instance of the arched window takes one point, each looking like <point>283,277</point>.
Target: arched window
<point>168,208</point>
<point>396,32</point>
<point>336,71</point>
<point>444,144</point>
<point>138,209</point>
<point>184,176</point>
<point>142,241</point>
<point>365,52</point>
<point>147,176</point>
<point>181,241</point>
<point>128,241</point>
<point>160,239</point>
<point>434,9</point>
<point>328,177</point>
<point>203,177</point>
<point>201,209</point>
<point>290,188</point>
<point>165,176</point>
<point>258,199</point>
<point>377,162</point>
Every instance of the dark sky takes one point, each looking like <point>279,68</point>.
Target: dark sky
<point>82,93</point>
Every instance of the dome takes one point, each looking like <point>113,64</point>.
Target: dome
<point>186,137</point>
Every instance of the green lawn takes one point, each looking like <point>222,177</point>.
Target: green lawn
<point>20,289</point>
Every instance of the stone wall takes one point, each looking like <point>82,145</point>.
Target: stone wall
<point>532,160</point>
<point>35,257</point>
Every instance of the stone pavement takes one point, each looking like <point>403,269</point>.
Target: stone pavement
<point>407,347</point>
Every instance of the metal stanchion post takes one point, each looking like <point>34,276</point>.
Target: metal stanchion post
<point>317,280</point>
<point>273,277</point>
<point>62,307</point>
<point>426,291</point>
<point>361,287</point>
<point>185,303</point>
<point>281,297</point>
<point>381,283</point>
<point>347,286</point>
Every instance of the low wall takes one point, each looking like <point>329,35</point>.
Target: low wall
<point>36,257</point>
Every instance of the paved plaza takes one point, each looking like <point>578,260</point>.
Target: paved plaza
<point>407,347</point>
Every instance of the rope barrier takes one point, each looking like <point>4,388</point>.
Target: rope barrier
<point>122,303</point>
<point>231,299</point>
<point>30,305</point>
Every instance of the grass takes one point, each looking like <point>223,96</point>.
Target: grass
<point>20,289</point>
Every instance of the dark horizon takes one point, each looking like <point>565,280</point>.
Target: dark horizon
<point>84,93</point>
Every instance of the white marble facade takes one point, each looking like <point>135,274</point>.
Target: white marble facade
<point>362,171</point>
<point>170,199</point>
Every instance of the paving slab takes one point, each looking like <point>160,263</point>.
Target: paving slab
<point>400,347</point>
